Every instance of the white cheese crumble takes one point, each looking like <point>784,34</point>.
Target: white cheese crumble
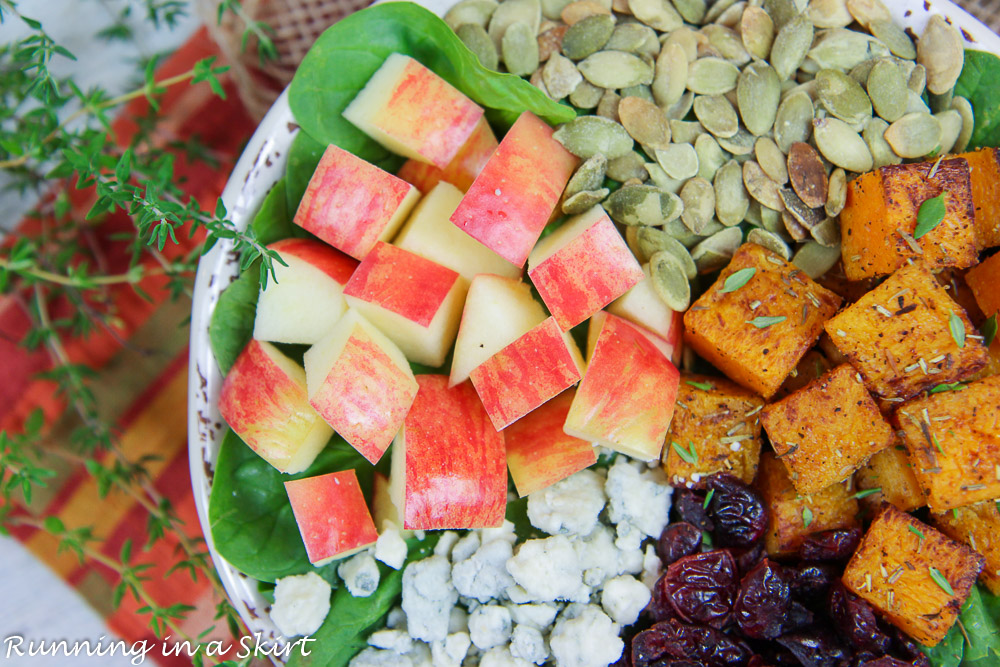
<point>428,598</point>
<point>528,644</point>
<point>398,641</point>
<point>501,657</point>
<point>489,626</point>
<point>547,569</point>
<point>639,500</point>
<point>390,547</point>
<point>451,651</point>
<point>570,506</point>
<point>360,574</point>
<point>590,639</point>
<point>301,603</point>
<point>483,576</point>
<point>624,598</point>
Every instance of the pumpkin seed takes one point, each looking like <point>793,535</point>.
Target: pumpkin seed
<point>841,145</point>
<point>731,200</point>
<point>634,38</point>
<point>560,76</point>
<point>657,14</point>
<point>584,201</point>
<point>827,233</point>
<point>641,91</point>
<point>940,51</point>
<point>874,136</point>
<point>807,174</point>
<point>687,39</point>
<point>782,11</point>
<point>586,95</point>
<point>692,11</point>
<point>757,32</point>
<point>660,179</point>
<point>760,187</point>
<point>951,127</point>
<point>645,122</point>
<point>680,161</point>
<point>758,95</point>
<point>815,259</point>
<point>862,70</point>
<point>475,38</point>
<point>588,36</point>
<point>836,196</point>
<point>685,131</point>
<point>607,107</point>
<point>793,227</point>
<point>588,176</point>
<point>915,104</point>
<point>717,9</point>
<point>771,160</point>
<point>712,76</point>
<point>552,9</point>
<point>577,11</point>
<point>550,41</point>
<point>631,165</point>
<point>770,220</point>
<point>698,196</point>
<point>867,12</point>
<point>892,36</point>
<point>682,108</point>
<point>791,45</point>
<point>917,81</point>
<point>615,69</point>
<point>771,241</point>
<point>652,240</point>
<point>797,209</point>
<point>684,236</point>
<point>520,49</point>
<point>715,252</point>
<point>914,135</point>
<point>941,102</point>
<point>510,12</point>
<point>670,80</point>
<point>632,181</point>
<point>793,122</point>
<point>472,12</point>
<point>842,49</point>
<point>843,97</point>
<point>643,205</point>
<point>710,156</point>
<point>716,115</point>
<point>740,144</point>
<point>829,13</point>
<point>586,136</point>
<point>670,280</point>
<point>730,17</point>
<point>964,108</point>
<point>727,43</point>
<point>887,89</point>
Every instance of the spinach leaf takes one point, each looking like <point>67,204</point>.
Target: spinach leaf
<point>303,156</point>
<point>948,653</point>
<point>251,519</point>
<point>342,60</point>
<point>980,617</point>
<point>273,222</point>
<point>980,84</point>
<point>232,322</point>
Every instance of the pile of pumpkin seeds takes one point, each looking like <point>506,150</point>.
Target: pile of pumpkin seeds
<point>727,121</point>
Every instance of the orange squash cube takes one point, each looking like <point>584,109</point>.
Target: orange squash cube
<point>984,280</point>
<point>984,169</point>
<point>891,472</point>
<point>979,527</point>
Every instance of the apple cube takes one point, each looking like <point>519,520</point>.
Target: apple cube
<point>352,204</point>
<point>539,453</point>
<point>517,191</point>
<point>497,312</point>
<point>306,298</point>
<point>331,514</point>
<point>582,267</point>
<point>534,368</point>
<point>429,233</point>
<point>463,168</point>
<point>417,303</point>
<point>641,305</point>
<point>448,468</point>
<point>264,401</point>
<point>627,396</point>
<point>361,384</point>
<point>413,112</point>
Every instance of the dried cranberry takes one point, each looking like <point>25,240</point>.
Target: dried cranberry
<point>747,559</point>
<point>701,645</point>
<point>648,647</point>
<point>757,661</point>
<point>737,511</point>
<point>659,607</point>
<point>886,661</point>
<point>904,645</point>
<point>678,540</point>
<point>702,587</point>
<point>855,621</point>
<point>690,507</point>
<point>816,648</point>
<point>765,596</point>
<point>836,545</point>
<point>799,617</point>
<point>810,581</point>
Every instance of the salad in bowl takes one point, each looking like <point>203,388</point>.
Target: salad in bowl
<point>591,333</point>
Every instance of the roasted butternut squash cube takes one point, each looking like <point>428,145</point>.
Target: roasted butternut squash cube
<point>890,473</point>
<point>810,367</point>
<point>794,516</point>
<point>826,430</point>
<point>954,443</point>
<point>720,420</point>
<point>757,333</point>
<point>880,217</point>
<point>992,366</point>
<point>899,335</point>
<point>915,576</point>
<point>850,291</point>
<point>984,170</point>
<point>979,527</point>
<point>984,280</point>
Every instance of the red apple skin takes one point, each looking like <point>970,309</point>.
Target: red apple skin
<point>331,513</point>
<point>628,393</point>
<point>327,259</point>
<point>514,195</point>
<point>675,337</point>
<point>462,170</point>
<point>456,474</point>
<point>365,396</point>
<point>520,377</point>
<point>349,203</point>
<point>587,274</point>
<point>539,453</point>
<point>402,282</point>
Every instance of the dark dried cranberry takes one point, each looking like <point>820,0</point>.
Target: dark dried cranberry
<point>678,540</point>
<point>811,581</point>
<point>690,507</point>
<point>701,645</point>
<point>747,559</point>
<point>762,608</point>
<point>886,661</point>
<point>816,648</point>
<point>835,545</point>
<point>649,646</point>
<point>799,617</point>
<point>659,607</point>
<point>905,646</point>
<point>757,661</point>
<point>855,621</point>
<point>737,511</point>
<point>702,587</point>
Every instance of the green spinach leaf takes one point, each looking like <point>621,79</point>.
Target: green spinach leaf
<point>980,84</point>
<point>232,322</point>
<point>980,617</point>
<point>303,156</point>
<point>273,222</point>
<point>342,60</point>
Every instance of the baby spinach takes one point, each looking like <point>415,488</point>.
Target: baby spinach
<point>232,321</point>
<point>342,60</point>
<point>980,616</point>
<point>273,221</point>
<point>980,84</point>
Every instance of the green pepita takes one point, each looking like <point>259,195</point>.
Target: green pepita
<point>793,122</point>
<point>698,197</point>
<point>829,13</point>
<point>685,131</point>
<point>836,197</point>
<point>727,43</point>
<point>652,240</point>
<point>771,241</point>
<point>940,51</point>
<point>712,76</point>
<point>716,115</point>
<point>964,108</point>
<point>584,201</point>
<point>684,236</point>
<point>914,135</point>
<point>951,127</point>
<point>758,94</point>
<point>827,233</point>
<point>657,14</point>
<point>682,108</point>
<point>560,76</point>
<point>680,161</point>
<point>586,136</point>
<point>671,76</point>
<point>782,11</point>
<point>791,45</point>
<point>740,144</point>
<point>815,259</point>
<point>473,12</point>
<point>631,165</point>
<point>796,208</point>
<point>615,69</point>
<point>607,107</point>
<point>760,187</point>
<point>510,12</point>
<point>586,95</point>
<point>899,43</point>
<point>645,122</point>
<point>643,205</point>
<point>552,9</point>
<point>717,9</point>
<point>841,145</point>
<point>867,12</point>
<point>670,281</point>
<point>731,199</point>
<point>588,36</point>
<point>715,252</point>
<point>520,49</point>
<point>843,49</point>
<point>710,156</point>
<point>887,89</point>
<point>757,32</point>
<point>588,176</point>
<point>771,160</point>
<point>843,97</point>
<point>634,38</point>
<point>475,38</point>
<point>874,136</point>
<point>692,11</point>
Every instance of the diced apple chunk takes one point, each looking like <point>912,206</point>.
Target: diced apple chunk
<point>463,168</point>
<point>331,514</point>
<point>641,305</point>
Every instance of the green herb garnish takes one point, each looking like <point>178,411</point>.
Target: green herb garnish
<point>940,580</point>
<point>937,443</point>
<point>947,386</point>
<point>867,492</point>
<point>708,499</point>
<point>957,327</point>
<point>989,329</point>
<point>930,215</point>
<point>688,456</point>
<point>704,386</point>
<point>807,517</point>
<point>763,321</point>
<point>916,531</point>
<point>737,280</point>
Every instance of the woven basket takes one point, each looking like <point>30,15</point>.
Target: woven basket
<point>295,23</point>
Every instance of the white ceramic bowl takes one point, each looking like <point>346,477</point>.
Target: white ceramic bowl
<point>258,169</point>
